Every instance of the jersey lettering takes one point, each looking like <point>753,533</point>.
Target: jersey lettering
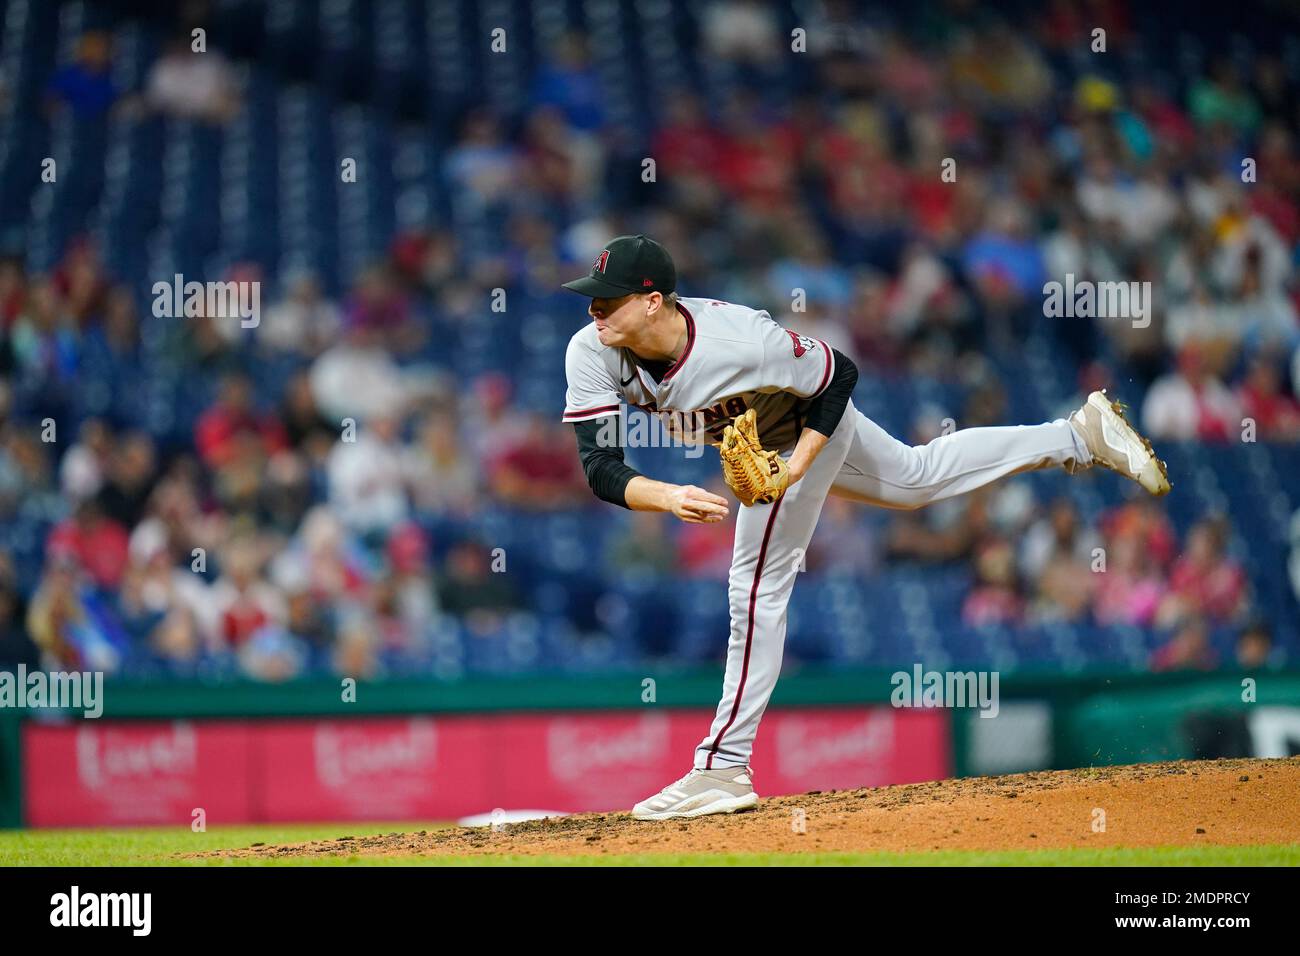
<point>723,411</point>
<point>713,415</point>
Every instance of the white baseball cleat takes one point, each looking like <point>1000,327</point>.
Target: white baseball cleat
<point>700,793</point>
<point>1117,445</point>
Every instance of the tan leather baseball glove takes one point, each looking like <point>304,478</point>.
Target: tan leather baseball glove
<point>757,477</point>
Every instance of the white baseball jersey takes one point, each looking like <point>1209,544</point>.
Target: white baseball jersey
<point>736,358</point>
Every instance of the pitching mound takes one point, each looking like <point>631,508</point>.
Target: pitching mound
<point>1224,802</point>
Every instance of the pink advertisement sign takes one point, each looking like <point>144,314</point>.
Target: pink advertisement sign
<point>409,768</point>
<point>97,773</point>
<point>105,773</point>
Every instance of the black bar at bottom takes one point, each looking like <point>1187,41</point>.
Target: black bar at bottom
<point>331,905</point>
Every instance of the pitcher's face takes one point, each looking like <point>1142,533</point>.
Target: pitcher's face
<point>620,320</point>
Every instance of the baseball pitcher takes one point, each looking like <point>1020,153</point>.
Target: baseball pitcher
<point>778,406</point>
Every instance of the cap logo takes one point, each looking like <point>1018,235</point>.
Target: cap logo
<point>602,260</point>
<point>647,283</point>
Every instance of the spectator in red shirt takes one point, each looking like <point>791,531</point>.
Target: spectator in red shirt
<point>539,472</point>
<point>703,552</point>
<point>853,157</point>
<point>219,430</point>
<point>1205,581</point>
<point>688,142</point>
<point>81,282</point>
<point>759,160</point>
<point>95,541</point>
<point>1276,414</point>
<point>13,288</point>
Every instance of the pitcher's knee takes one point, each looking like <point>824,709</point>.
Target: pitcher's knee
<point>911,485</point>
<point>911,466</point>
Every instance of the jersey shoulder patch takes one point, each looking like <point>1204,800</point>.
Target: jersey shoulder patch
<point>802,343</point>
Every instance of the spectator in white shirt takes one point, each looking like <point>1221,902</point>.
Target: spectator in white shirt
<point>367,488</point>
<point>1191,404</point>
<point>192,85</point>
<point>304,321</point>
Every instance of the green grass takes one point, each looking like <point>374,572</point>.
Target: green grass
<point>160,847</point>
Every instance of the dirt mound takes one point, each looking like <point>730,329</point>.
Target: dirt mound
<point>1227,802</point>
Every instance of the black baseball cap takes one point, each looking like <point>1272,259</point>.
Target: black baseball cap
<point>628,264</point>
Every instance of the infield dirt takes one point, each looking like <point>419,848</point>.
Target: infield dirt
<point>1183,803</point>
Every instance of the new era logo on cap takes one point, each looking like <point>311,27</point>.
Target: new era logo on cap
<point>628,264</point>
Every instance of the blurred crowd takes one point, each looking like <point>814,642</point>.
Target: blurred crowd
<point>290,533</point>
<point>1130,569</point>
<point>324,520</point>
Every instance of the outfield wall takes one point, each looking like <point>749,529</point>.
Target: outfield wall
<point>417,750</point>
<point>108,773</point>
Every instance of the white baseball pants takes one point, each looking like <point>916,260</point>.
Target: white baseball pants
<point>863,462</point>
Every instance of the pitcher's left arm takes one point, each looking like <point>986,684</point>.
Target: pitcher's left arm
<point>824,416</point>
<point>810,369</point>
